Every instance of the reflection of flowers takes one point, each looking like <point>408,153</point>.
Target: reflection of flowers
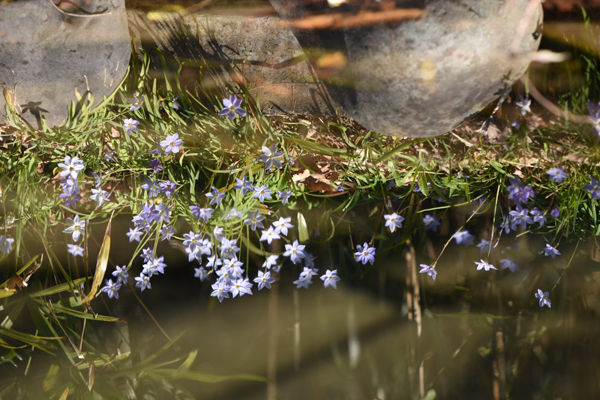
<point>544,298</point>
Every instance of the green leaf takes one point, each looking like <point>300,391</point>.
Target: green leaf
<point>302,229</point>
<point>101,264</point>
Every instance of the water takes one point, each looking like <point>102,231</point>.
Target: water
<point>389,330</point>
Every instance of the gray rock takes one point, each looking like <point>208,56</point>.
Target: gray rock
<point>46,54</point>
<point>219,52</point>
<point>422,78</point>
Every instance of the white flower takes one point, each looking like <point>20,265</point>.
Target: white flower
<point>77,227</point>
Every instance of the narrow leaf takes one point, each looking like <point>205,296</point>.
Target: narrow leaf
<point>101,264</point>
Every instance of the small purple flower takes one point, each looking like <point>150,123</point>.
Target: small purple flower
<point>551,251</point>
<point>75,250</point>
<point>431,224</point>
<point>269,235</point>
<point>538,216</point>
<point>261,193</point>
<point>464,237</point>
<point>70,199</point>
<point>544,298</point>
<point>271,156</point>
<point>426,269</point>
<point>294,251</point>
<point>143,282</point>
<point>283,225</point>
<point>232,107</point>
<point>201,274</point>
<point>483,265</point>
<point>215,196</point>
<point>365,254</point>
<point>71,167</point>
<point>220,291</point>
<point>507,263</point>
<point>557,174</point>
<point>100,196</point>
<point>254,220</point>
<point>594,188</point>
<point>121,274</point>
<point>524,103</point>
<point>166,232</point>
<point>151,186</point>
<point>270,261</point>
<point>485,245</point>
<point>594,116</point>
<point>330,278</point>
<point>240,286</point>
<point>130,125</point>
<point>111,289</point>
<point>303,281</point>
<point>520,217</point>
<point>172,144</point>
<point>393,221</point>
<point>284,195</point>
<point>167,188</point>
<point>155,165</point>
<point>264,280</point>
<point>244,185</point>
<point>134,234</point>
<point>518,191</point>
<point>555,212</point>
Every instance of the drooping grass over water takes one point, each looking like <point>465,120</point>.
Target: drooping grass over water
<point>344,181</point>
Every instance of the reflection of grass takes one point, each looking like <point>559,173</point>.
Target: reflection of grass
<point>376,174</point>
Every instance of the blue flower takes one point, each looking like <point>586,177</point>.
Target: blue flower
<point>100,196</point>
<point>544,298</point>
<point>70,198</point>
<point>111,289</point>
<point>271,156</point>
<point>121,274</point>
<point>283,225</point>
<point>254,220</point>
<point>151,186</point>
<point>243,184</point>
<point>520,217</point>
<point>134,234</point>
<point>294,251</point>
<point>393,221</point>
<point>431,224</point>
<point>426,269</point>
<point>264,280</point>
<point>365,254</point>
<point>485,245</point>
<point>232,107</point>
<point>507,263</point>
<point>555,213</point>
<point>76,227</point>
<point>172,144</point>
<point>261,193</point>
<point>330,278</point>
<point>215,196</point>
<point>270,261</point>
<point>71,167</point>
<point>518,191</point>
<point>594,116</point>
<point>166,232</point>
<point>143,282</point>
<point>303,281</point>
<point>284,195</point>
<point>201,274</point>
<point>594,188</point>
<point>167,188</point>
<point>73,249</point>
<point>551,251</point>
<point>155,165</point>
<point>524,103</point>
<point>483,265</point>
<point>464,237</point>
<point>130,125</point>
<point>6,244</point>
<point>269,235</point>
<point>240,286</point>
<point>538,216</point>
<point>557,174</point>
<point>220,291</point>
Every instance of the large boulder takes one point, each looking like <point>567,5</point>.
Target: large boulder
<point>421,77</point>
<point>48,52</point>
